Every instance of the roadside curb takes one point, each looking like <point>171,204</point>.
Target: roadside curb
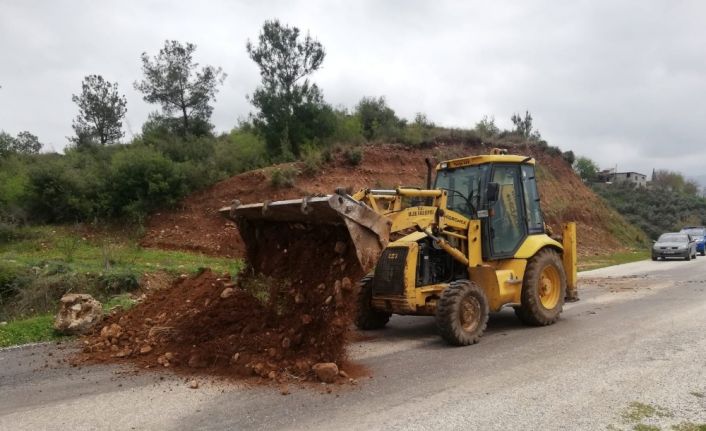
<point>25,346</point>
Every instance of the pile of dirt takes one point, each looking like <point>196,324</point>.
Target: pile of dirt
<point>288,312</point>
<point>196,224</point>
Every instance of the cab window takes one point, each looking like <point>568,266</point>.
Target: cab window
<point>535,223</point>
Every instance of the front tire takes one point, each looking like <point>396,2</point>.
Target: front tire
<point>462,313</point>
<point>366,317</point>
<point>543,289</point>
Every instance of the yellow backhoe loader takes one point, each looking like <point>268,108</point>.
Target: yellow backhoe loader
<point>472,243</point>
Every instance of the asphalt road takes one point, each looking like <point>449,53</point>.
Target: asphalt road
<point>638,335</point>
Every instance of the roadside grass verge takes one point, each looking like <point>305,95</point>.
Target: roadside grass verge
<point>31,330</point>
<point>43,263</point>
<point>595,262</point>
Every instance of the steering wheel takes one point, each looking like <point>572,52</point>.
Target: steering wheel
<point>469,205</point>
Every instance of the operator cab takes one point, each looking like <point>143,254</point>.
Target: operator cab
<point>499,190</point>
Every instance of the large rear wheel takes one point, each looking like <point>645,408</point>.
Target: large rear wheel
<point>366,317</point>
<point>543,289</point>
<point>462,313</point>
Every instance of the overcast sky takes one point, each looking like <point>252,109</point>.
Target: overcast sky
<point>621,82</point>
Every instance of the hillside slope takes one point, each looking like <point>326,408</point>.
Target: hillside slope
<point>196,224</point>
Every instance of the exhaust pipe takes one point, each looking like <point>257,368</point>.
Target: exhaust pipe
<point>430,165</point>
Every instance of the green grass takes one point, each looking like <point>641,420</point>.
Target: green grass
<point>101,253</point>
<point>689,426</point>
<point>32,330</point>
<point>45,262</point>
<point>636,412</point>
<point>595,262</point>
<point>123,301</point>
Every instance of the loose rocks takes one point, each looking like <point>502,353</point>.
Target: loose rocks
<point>78,313</point>
<point>326,371</point>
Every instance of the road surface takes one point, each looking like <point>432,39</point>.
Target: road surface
<point>638,335</point>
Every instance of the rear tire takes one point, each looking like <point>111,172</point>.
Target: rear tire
<point>703,253</point>
<point>462,313</point>
<point>366,317</point>
<point>544,280</point>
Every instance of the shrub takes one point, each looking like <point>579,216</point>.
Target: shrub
<point>353,155</point>
<point>553,151</point>
<point>119,281</point>
<point>8,232</point>
<point>312,159</point>
<point>347,128</point>
<point>12,279</point>
<point>142,180</point>
<point>377,119</point>
<point>569,157</point>
<point>59,192</point>
<point>240,151</point>
<point>41,293</point>
<point>283,176</point>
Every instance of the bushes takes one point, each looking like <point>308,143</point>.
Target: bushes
<point>143,179</point>
<point>240,151</point>
<point>655,210</point>
<point>353,155</point>
<point>12,279</point>
<point>378,121</point>
<point>118,281</point>
<point>58,192</point>
<point>283,176</point>
<point>312,159</point>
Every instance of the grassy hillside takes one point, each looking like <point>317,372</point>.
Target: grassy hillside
<point>655,210</point>
<point>196,224</point>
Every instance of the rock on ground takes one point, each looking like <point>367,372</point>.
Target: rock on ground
<point>78,313</point>
<point>326,371</point>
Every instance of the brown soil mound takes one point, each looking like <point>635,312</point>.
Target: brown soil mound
<point>197,225</point>
<point>282,317</point>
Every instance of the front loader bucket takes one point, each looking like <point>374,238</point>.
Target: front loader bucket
<point>339,215</point>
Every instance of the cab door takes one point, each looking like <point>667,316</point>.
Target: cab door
<point>507,227</point>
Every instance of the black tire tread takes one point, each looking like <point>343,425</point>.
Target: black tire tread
<point>446,319</point>
<point>365,317</point>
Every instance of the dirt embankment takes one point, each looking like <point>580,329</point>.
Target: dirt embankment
<point>278,321</point>
<point>196,225</point>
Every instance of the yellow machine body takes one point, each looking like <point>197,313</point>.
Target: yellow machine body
<point>498,199</point>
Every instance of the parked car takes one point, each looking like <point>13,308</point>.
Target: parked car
<point>699,234</point>
<point>675,244</point>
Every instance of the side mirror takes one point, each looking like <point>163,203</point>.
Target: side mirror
<point>492,192</point>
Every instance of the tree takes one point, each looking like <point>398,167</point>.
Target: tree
<point>421,120</point>
<point>486,128</point>
<point>7,143</point>
<point>101,110</point>
<point>174,80</point>
<point>524,127</point>
<point>288,103</point>
<point>586,168</point>
<point>377,119</point>
<point>23,143</point>
<point>27,143</point>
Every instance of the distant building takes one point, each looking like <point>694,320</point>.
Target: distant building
<point>605,176</point>
<point>610,176</point>
<point>631,177</point>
